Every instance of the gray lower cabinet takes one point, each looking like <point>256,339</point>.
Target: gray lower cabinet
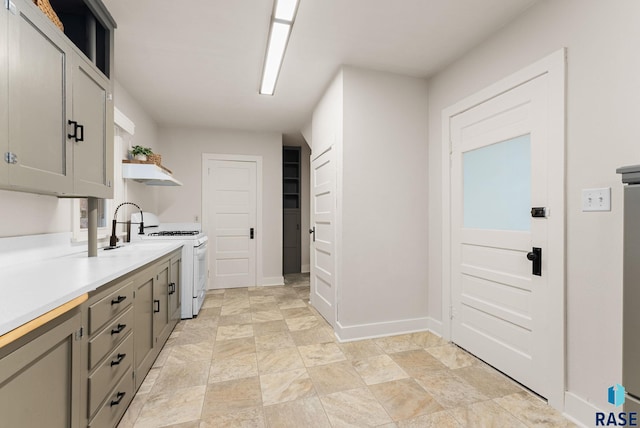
<point>175,296</point>
<point>40,376</point>
<point>84,367</point>
<point>60,111</point>
<point>155,311</point>
<point>109,353</point>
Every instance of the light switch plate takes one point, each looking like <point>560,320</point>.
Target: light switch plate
<point>596,199</point>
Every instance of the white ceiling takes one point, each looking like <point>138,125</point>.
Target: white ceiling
<point>198,63</point>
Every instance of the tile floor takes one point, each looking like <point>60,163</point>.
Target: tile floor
<point>262,357</point>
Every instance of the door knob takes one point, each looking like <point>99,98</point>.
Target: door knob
<point>532,256</point>
<point>313,232</point>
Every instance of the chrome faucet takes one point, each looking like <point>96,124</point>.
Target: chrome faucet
<point>113,240</point>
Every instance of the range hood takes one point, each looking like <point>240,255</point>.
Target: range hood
<point>149,174</point>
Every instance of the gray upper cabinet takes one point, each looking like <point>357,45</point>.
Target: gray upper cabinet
<point>4,101</point>
<point>93,152</point>
<point>60,107</point>
<point>39,63</point>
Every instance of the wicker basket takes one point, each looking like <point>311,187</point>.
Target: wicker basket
<point>155,158</point>
<point>45,6</point>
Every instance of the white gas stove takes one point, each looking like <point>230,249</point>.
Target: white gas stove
<point>195,270</point>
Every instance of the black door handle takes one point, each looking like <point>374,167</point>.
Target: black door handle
<point>535,255</point>
<point>251,233</point>
<point>313,232</point>
<point>156,303</point>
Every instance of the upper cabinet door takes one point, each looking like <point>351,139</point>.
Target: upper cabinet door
<point>39,63</point>
<point>4,98</point>
<point>92,151</point>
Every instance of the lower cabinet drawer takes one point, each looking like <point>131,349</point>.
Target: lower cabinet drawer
<point>100,345</point>
<point>109,372</point>
<point>119,398</point>
<point>106,308</point>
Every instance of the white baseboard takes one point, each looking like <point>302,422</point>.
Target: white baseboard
<point>389,328</point>
<point>305,269</point>
<point>579,410</point>
<point>272,280</point>
<point>434,326</point>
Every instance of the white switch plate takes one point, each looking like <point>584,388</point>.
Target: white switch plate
<point>596,199</point>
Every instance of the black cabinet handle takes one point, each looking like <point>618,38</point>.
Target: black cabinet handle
<point>119,397</point>
<point>118,329</point>
<point>156,303</point>
<point>118,359</point>
<point>172,288</point>
<point>119,300</point>
<point>251,233</point>
<point>81,134</point>
<point>75,129</point>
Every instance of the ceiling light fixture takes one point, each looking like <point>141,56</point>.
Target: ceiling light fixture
<point>280,29</point>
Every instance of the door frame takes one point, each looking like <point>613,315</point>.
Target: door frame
<point>553,66</point>
<point>206,157</point>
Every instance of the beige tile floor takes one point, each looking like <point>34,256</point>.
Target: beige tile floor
<point>262,357</point>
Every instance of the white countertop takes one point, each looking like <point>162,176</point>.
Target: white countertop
<point>34,287</point>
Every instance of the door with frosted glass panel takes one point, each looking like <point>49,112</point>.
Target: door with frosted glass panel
<point>498,172</point>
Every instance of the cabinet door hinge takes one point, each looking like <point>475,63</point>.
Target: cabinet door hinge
<point>80,333</point>
<point>11,158</point>
<point>108,183</point>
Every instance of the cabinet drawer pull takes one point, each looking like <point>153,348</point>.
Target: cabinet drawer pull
<point>172,288</point>
<point>118,329</point>
<point>119,397</point>
<point>118,360</point>
<point>156,303</point>
<point>119,300</point>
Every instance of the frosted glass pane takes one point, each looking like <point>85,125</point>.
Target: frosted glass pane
<point>497,186</point>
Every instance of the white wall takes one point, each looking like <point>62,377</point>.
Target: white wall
<point>384,246</point>
<point>603,102</point>
<point>182,149</point>
<point>28,214</point>
<point>146,135</point>
<point>377,124</point>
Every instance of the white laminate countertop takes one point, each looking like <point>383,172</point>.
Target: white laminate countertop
<point>34,287</point>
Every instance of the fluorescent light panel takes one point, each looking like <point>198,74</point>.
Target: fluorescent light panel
<point>275,54</point>
<point>286,10</point>
<point>281,23</point>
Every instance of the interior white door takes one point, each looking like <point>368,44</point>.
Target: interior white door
<point>498,173</point>
<point>232,223</point>
<point>323,206</point>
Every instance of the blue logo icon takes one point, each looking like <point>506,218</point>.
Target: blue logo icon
<point>616,395</point>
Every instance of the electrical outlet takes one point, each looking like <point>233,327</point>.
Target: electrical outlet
<point>596,199</point>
